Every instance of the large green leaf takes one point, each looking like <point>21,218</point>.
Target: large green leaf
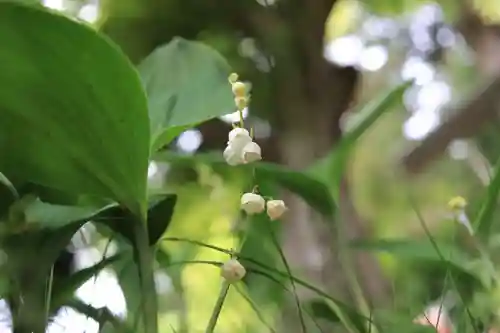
<point>314,192</point>
<point>74,115</point>
<point>186,83</point>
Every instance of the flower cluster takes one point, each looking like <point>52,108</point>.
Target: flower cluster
<point>241,149</point>
<point>253,203</point>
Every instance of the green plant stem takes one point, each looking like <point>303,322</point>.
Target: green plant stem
<point>49,294</point>
<point>218,307</point>
<point>276,243</point>
<point>146,272</point>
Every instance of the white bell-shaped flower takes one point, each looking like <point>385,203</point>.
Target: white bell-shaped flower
<point>232,156</point>
<point>252,203</point>
<point>239,138</point>
<point>251,152</point>
<point>232,271</point>
<point>275,209</point>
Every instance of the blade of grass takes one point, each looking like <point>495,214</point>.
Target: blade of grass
<point>254,308</point>
<point>336,304</point>
<point>438,251</point>
<point>485,217</point>
<point>287,267</point>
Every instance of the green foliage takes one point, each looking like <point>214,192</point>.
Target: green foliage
<point>78,119</point>
<point>314,192</point>
<point>79,123</point>
<point>331,168</point>
<point>176,77</point>
<point>397,8</point>
<point>411,249</point>
<point>485,216</point>
<point>160,213</point>
<point>322,309</point>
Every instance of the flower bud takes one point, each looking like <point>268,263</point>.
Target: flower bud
<point>232,156</point>
<point>233,78</point>
<point>251,152</point>
<point>457,204</point>
<point>252,203</point>
<point>239,89</point>
<point>276,209</point>
<point>232,271</point>
<point>241,102</point>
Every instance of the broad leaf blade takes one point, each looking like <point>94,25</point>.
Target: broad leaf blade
<point>73,105</point>
<point>48,215</point>
<point>186,83</point>
<point>314,192</point>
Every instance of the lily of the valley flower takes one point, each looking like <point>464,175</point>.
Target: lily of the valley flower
<point>437,316</point>
<point>232,271</point>
<point>252,203</point>
<point>251,153</point>
<point>239,137</point>
<point>232,156</point>
<point>240,148</point>
<point>275,209</point>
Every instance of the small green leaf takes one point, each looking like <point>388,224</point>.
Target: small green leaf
<point>330,168</point>
<point>74,106</point>
<point>161,210</point>
<point>186,83</point>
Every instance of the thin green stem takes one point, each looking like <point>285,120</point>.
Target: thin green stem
<point>287,267</point>
<point>218,307</point>
<point>259,264</point>
<point>242,122</point>
<point>49,293</point>
<point>441,256</point>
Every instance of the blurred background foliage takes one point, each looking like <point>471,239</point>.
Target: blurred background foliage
<point>447,47</point>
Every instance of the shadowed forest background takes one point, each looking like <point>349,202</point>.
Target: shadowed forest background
<point>317,68</point>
